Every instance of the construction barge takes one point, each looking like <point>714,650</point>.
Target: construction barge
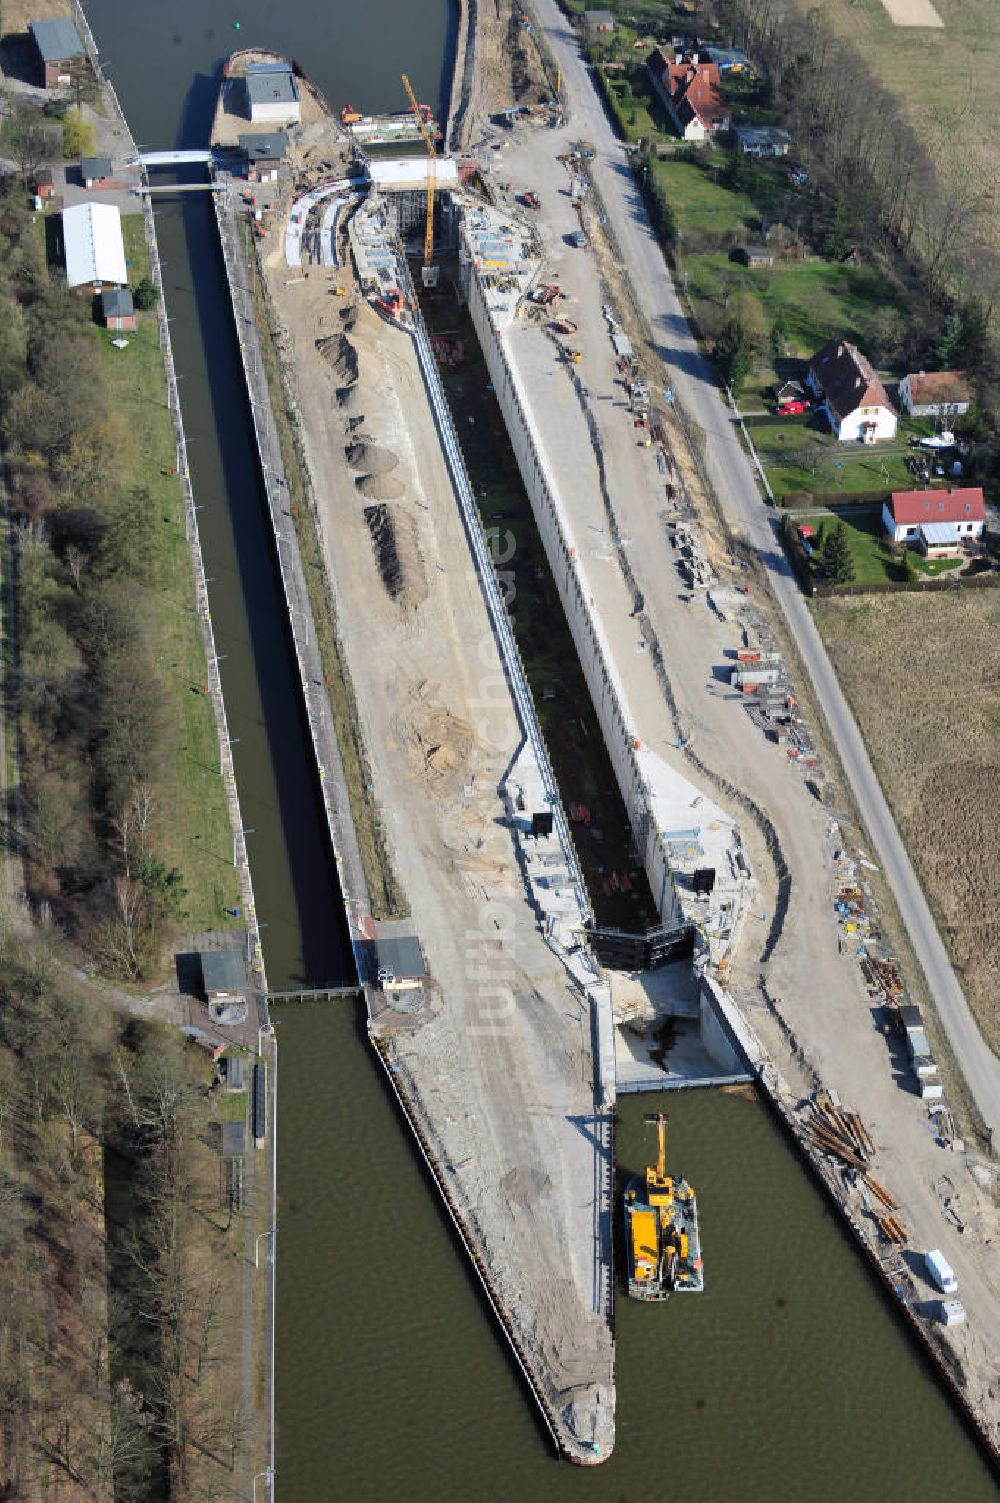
<point>662,1240</point>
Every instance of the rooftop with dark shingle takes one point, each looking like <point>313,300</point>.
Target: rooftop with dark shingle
<point>57,39</point>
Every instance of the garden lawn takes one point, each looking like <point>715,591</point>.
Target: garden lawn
<point>700,204</point>
<point>841,473</point>
<point>193,831</point>
<point>873,560</point>
<point>789,435</point>
<point>934,566</point>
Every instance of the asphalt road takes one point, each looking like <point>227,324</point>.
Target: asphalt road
<point>730,472</point>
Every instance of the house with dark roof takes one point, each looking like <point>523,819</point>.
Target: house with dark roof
<point>118,308</point>
<point>762,140</point>
<point>95,171</point>
<point>399,960</point>
<point>690,90</point>
<point>264,154</point>
<point>599,20</point>
<point>943,394</point>
<point>224,978</point>
<point>907,515</point>
<point>232,1139</point>
<point>59,50</point>
<point>852,396</point>
<point>756,255</point>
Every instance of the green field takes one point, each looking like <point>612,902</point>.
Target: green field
<point>701,204</point>
<point>784,436</point>
<point>194,833</point>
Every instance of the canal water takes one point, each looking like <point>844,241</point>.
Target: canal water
<point>789,1377</point>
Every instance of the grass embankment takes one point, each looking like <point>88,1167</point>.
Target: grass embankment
<point>935,659</point>
<point>125,834</point>
<point>387,900</point>
<point>195,834</point>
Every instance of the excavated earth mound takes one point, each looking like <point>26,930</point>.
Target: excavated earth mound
<point>371,458</point>
<point>379,487</point>
<point>338,350</point>
<point>397,553</point>
<point>353,398</point>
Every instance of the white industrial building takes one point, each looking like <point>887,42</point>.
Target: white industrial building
<point>272,93</point>
<point>93,246</point>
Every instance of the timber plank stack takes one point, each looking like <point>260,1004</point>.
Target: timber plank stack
<point>842,1135</point>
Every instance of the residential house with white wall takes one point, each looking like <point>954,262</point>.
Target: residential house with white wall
<point>853,397</point>
<point>690,90</point>
<point>907,513</point>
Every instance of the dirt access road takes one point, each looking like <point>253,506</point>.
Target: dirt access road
<point>811,973</point>
<point>732,477</point>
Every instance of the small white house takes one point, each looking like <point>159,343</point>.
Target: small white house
<point>943,394</point>
<point>907,515</point>
<point>852,396</point>
<point>762,140</point>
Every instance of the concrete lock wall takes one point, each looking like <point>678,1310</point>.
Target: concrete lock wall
<point>619,737</point>
<point>714,1035</point>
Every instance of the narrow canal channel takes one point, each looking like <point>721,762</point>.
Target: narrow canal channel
<point>295,880</point>
<point>790,1377</point>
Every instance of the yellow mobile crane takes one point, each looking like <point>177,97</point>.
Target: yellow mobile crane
<point>430,272</point>
<point>662,1240</point>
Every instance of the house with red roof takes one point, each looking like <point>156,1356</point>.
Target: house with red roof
<point>852,396</point>
<point>690,90</point>
<point>943,394</point>
<point>936,522</point>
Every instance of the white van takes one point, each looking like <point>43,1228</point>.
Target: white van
<point>941,1272</point>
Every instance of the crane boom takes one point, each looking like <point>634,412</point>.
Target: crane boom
<point>431,158</point>
<point>418,113</point>
<point>659,1121</point>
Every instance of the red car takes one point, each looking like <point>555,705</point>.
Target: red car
<point>792,409</point>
